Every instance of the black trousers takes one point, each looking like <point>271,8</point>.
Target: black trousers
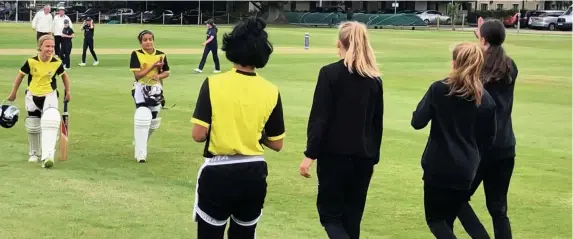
<point>235,191</point>
<point>496,176</point>
<point>66,50</point>
<point>213,49</point>
<point>88,43</point>
<point>58,46</point>
<point>441,206</point>
<point>40,34</point>
<point>342,188</point>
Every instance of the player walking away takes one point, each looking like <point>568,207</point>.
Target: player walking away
<point>67,35</point>
<point>496,167</point>
<point>150,68</point>
<point>59,24</point>
<point>210,46</point>
<point>42,100</point>
<point>344,132</point>
<point>43,22</point>
<point>232,181</point>
<point>88,29</point>
<point>463,118</point>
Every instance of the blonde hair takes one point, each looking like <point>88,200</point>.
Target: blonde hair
<point>464,79</point>
<point>359,56</point>
<point>43,39</point>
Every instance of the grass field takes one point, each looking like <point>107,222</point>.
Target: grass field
<point>101,192</point>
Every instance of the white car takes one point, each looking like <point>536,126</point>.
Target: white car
<point>432,16</point>
<point>564,21</point>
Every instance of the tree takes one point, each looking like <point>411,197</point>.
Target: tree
<point>272,12</point>
<point>453,10</point>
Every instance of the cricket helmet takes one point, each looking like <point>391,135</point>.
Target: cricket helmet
<point>8,114</point>
<point>153,95</point>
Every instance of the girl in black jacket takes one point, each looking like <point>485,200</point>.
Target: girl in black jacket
<point>496,167</point>
<point>463,120</point>
<point>345,132</point>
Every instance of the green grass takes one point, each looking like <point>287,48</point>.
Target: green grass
<point>101,192</point>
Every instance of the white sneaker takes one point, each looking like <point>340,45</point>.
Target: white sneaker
<point>216,71</point>
<point>48,163</point>
<point>34,159</point>
<point>96,63</point>
<point>198,70</point>
<point>82,64</point>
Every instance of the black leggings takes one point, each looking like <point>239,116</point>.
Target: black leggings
<point>342,188</point>
<point>88,43</point>
<point>65,52</point>
<point>496,175</point>
<point>213,49</point>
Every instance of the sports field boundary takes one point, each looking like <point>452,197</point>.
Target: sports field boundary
<point>172,51</point>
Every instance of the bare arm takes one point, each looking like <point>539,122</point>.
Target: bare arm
<point>66,81</point>
<point>139,74</point>
<point>18,82</point>
<point>199,133</point>
<point>208,40</point>
<point>276,145</point>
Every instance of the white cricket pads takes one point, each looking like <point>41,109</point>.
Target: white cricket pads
<point>50,124</point>
<point>33,126</point>
<point>142,124</point>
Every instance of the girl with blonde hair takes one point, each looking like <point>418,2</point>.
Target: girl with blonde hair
<point>41,100</point>
<point>463,122</point>
<point>345,132</point>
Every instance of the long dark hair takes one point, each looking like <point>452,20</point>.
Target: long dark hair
<point>497,64</point>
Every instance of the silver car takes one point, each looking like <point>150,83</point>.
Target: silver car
<point>545,19</point>
<point>432,17</point>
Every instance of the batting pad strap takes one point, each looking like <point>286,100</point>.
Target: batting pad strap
<point>208,218</point>
<point>155,123</point>
<point>247,223</point>
<point>33,125</point>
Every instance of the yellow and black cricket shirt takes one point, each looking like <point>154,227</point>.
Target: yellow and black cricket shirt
<point>238,107</point>
<point>42,74</point>
<point>140,60</point>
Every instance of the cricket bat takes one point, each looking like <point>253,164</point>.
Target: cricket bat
<point>64,134</point>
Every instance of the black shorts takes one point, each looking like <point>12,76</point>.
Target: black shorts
<point>231,189</point>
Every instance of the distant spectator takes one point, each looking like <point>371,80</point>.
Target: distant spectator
<point>43,22</point>
<point>349,14</point>
<point>88,28</point>
<point>59,28</point>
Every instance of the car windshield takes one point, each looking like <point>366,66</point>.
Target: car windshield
<point>568,12</point>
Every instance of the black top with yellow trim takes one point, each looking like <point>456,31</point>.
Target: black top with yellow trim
<point>140,59</point>
<point>42,74</point>
<point>238,108</point>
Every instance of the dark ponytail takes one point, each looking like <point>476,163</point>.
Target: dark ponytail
<point>498,65</point>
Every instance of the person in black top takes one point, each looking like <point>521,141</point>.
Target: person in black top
<point>210,46</point>
<point>463,120</point>
<point>67,35</point>
<point>496,167</point>
<point>88,29</point>
<point>344,132</point>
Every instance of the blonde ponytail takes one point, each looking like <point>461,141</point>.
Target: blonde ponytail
<point>358,54</point>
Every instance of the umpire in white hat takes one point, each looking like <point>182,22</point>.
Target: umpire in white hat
<point>59,20</point>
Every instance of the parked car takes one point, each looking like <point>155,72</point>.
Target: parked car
<point>564,21</point>
<point>545,20</point>
<point>432,17</point>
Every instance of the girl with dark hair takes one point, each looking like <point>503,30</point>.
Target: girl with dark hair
<point>463,119</point>
<point>150,68</point>
<point>232,181</point>
<point>496,167</point>
<point>210,46</point>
